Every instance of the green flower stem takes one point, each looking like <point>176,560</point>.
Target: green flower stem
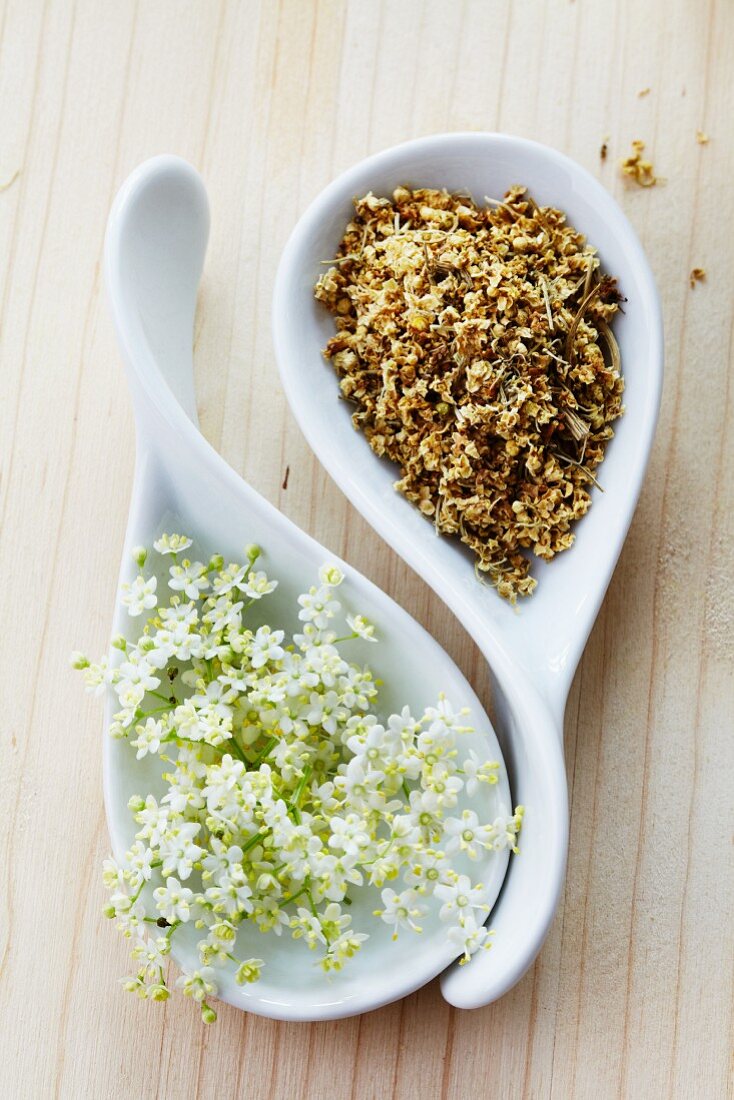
<point>147,713</point>
<point>370,862</point>
<point>171,737</point>
<point>255,840</point>
<point>295,897</point>
<point>298,792</point>
<point>160,695</point>
<point>270,745</point>
<point>232,744</point>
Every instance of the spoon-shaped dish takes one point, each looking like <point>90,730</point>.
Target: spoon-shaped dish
<point>532,652</point>
<point>154,252</point>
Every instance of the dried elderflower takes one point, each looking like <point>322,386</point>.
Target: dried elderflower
<point>474,343</point>
<point>636,168</point>
<point>698,274</point>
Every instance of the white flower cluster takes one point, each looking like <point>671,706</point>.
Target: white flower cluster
<point>285,793</point>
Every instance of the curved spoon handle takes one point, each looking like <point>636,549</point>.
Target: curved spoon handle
<point>155,244</point>
<point>532,743</point>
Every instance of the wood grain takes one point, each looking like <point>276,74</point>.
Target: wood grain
<point>632,994</point>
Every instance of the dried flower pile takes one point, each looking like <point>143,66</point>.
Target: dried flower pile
<point>285,794</point>
<point>474,342</point>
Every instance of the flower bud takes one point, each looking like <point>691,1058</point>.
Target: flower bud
<point>248,971</point>
<point>216,561</point>
<point>139,556</point>
<point>78,660</point>
<point>223,931</point>
<point>136,804</point>
<point>331,575</point>
<point>119,642</point>
<point>208,1014</point>
<point>158,993</point>
<point>252,550</point>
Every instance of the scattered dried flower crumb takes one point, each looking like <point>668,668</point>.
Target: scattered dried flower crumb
<point>698,275</point>
<point>702,138</point>
<point>604,149</point>
<point>643,92</point>
<point>472,342</point>
<point>639,169</point>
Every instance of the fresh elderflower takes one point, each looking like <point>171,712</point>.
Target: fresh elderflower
<point>285,794</point>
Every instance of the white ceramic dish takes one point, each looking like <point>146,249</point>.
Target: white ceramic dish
<point>154,252</point>
<point>532,653</point>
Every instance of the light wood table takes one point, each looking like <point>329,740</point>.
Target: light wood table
<point>632,994</point>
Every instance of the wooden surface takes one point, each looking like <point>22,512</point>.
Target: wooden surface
<point>632,994</point>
